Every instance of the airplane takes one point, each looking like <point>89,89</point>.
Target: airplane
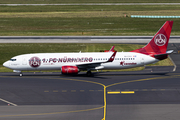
<point>73,63</point>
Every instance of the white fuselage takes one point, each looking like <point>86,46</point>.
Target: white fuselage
<point>54,61</point>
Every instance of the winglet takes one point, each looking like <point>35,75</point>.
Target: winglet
<point>112,57</point>
<point>112,49</point>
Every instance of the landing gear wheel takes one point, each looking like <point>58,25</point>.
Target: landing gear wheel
<point>20,74</point>
<point>89,73</point>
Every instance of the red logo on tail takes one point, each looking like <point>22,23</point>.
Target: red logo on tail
<point>159,43</point>
<point>160,39</point>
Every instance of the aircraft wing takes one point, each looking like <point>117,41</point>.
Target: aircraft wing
<point>95,65</point>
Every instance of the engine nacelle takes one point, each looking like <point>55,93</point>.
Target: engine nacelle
<point>69,70</point>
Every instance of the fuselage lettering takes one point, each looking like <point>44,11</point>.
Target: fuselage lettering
<point>67,59</point>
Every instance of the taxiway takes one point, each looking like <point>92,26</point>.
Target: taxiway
<point>109,95</point>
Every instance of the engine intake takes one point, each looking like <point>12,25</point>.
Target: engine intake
<point>69,70</point>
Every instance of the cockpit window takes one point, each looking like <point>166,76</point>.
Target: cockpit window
<point>12,59</point>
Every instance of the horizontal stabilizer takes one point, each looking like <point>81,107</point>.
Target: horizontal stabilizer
<point>169,52</point>
<point>163,56</point>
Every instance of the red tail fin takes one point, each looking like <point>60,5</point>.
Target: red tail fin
<point>159,42</point>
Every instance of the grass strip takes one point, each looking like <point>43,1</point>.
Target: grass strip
<point>85,8</point>
<point>82,1</point>
<point>97,26</point>
<point>91,20</point>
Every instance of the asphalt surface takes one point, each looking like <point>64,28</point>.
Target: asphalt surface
<point>55,96</point>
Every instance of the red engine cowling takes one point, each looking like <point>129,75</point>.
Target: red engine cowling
<point>69,70</point>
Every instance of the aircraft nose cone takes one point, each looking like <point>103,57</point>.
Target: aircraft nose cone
<point>5,64</point>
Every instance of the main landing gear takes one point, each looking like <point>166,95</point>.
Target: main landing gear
<point>89,73</point>
<point>20,74</point>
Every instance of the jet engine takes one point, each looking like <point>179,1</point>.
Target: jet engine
<point>69,70</point>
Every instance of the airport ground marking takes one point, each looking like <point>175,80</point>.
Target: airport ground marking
<point>104,106</point>
<point>77,80</point>
<point>10,103</point>
<point>127,92</point>
<point>81,90</point>
<point>91,90</point>
<point>73,90</point>
<point>140,80</point>
<point>114,92</point>
<point>104,117</point>
<point>105,87</point>
<point>136,89</point>
<point>105,92</point>
<point>144,90</point>
<point>64,90</point>
<point>55,91</point>
<point>53,113</point>
<point>163,89</point>
<point>153,89</point>
<point>121,92</point>
<point>100,90</point>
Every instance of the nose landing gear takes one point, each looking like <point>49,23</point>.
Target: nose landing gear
<point>18,71</point>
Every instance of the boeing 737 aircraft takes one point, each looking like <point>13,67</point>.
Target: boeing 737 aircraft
<point>72,63</point>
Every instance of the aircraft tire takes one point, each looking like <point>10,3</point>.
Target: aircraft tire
<point>89,73</point>
<point>20,74</point>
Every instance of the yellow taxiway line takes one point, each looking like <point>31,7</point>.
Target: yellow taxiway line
<point>120,92</point>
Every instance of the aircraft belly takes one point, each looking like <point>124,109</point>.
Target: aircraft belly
<point>43,67</point>
<point>117,65</point>
<point>148,59</point>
